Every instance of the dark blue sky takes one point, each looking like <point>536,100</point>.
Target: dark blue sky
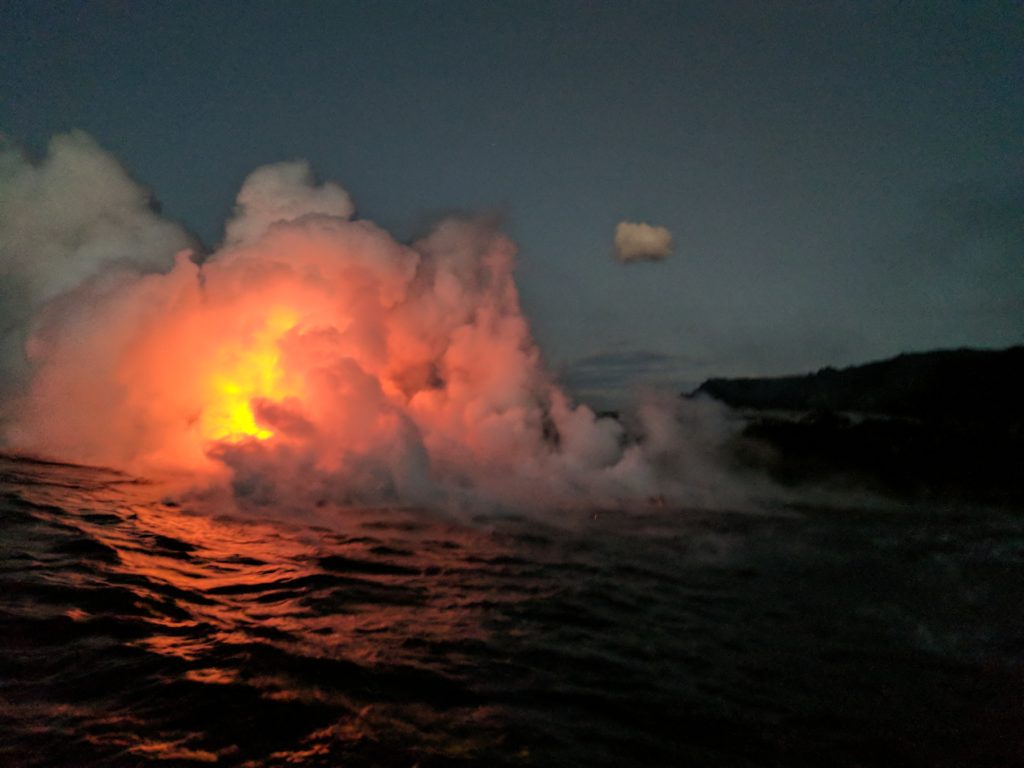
<point>844,180</point>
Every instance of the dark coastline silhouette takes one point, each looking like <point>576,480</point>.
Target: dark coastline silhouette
<point>947,424</point>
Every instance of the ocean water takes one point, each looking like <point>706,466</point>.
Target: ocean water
<point>135,631</point>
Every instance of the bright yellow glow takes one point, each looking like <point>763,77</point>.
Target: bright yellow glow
<point>246,372</point>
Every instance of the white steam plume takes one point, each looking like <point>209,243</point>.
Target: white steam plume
<point>74,215</point>
<point>312,358</point>
<point>282,192</point>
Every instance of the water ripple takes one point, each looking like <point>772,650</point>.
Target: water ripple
<point>138,631</point>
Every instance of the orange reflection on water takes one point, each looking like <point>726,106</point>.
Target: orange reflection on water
<point>297,615</point>
<point>374,590</point>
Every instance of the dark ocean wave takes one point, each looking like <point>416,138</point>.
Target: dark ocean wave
<point>136,632</point>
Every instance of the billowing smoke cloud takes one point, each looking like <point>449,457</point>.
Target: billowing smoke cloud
<point>69,218</point>
<point>636,241</point>
<point>283,192</point>
<point>311,358</point>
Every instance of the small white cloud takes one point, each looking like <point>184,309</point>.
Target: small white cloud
<point>636,241</point>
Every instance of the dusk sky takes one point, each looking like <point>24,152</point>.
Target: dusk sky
<point>842,181</point>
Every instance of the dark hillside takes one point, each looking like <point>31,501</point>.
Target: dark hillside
<point>942,425</point>
<point>963,385</point>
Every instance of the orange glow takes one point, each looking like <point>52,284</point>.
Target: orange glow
<point>322,360</point>
<point>243,373</point>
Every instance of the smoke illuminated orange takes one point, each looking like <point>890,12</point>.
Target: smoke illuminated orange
<point>317,358</point>
<point>245,373</point>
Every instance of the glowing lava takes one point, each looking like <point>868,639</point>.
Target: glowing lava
<point>244,373</point>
